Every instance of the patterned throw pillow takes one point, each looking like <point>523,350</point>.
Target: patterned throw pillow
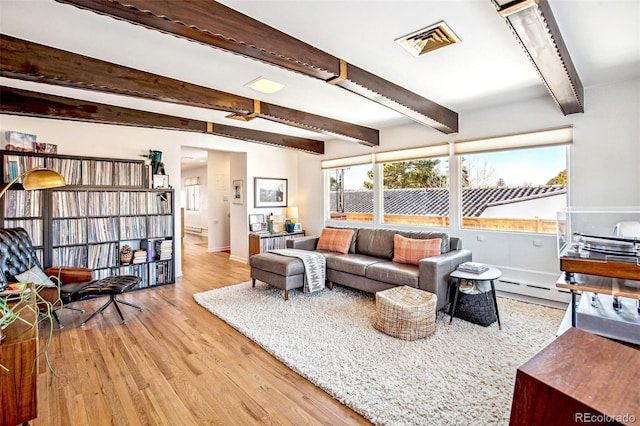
<point>337,240</point>
<point>408,250</point>
<point>35,275</point>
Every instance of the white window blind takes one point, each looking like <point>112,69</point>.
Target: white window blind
<point>562,136</point>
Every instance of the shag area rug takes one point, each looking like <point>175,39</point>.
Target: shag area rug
<point>462,374</point>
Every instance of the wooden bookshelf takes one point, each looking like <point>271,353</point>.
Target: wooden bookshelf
<point>104,207</point>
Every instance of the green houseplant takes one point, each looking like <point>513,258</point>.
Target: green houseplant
<point>14,308</point>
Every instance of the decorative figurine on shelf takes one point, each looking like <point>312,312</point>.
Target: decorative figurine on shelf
<point>126,254</point>
<point>270,223</point>
<point>157,167</point>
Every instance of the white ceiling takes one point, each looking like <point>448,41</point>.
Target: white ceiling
<point>487,68</point>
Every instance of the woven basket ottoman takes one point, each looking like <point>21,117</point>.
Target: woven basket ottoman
<point>406,312</point>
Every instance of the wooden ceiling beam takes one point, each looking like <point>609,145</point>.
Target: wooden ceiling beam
<point>216,25</point>
<point>25,60</point>
<point>33,104</point>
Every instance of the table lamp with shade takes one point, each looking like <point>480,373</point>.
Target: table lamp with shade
<point>37,178</point>
<point>292,217</point>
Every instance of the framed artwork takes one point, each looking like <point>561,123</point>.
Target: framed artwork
<point>255,222</point>
<point>270,192</point>
<point>238,192</point>
<point>160,181</point>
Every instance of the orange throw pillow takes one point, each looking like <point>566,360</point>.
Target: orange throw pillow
<point>337,240</point>
<point>408,250</point>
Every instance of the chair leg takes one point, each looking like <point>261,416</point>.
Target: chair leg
<point>128,304</point>
<point>102,308</point>
<point>73,308</point>
<point>115,301</point>
<point>55,316</point>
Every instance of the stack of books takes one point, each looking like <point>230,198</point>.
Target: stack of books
<point>139,256</point>
<point>473,267</point>
<point>163,249</point>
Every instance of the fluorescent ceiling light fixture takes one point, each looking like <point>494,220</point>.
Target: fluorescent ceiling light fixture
<point>534,26</point>
<point>264,85</point>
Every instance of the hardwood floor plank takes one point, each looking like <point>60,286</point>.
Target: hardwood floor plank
<point>174,363</point>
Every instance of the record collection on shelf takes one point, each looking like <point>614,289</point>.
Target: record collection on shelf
<point>104,206</point>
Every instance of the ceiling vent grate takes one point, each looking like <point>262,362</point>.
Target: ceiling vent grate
<point>240,117</point>
<point>428,39</point>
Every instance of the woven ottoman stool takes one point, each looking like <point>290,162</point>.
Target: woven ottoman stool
<point>406,312</point>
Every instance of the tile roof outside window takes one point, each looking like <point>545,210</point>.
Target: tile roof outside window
<point>435,202</point>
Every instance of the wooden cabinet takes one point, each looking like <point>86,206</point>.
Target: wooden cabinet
<point>259,243</point>
<point>18,385</point>
<point>578,378</point>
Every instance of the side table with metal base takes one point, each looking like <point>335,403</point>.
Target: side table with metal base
<point>111,286</point>
<point>490,275</point>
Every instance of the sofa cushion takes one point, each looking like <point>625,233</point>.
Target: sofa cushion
<point>394,273</point>
<point>352,247</point>
<point>277,264</point>
<point>409,250</point>
<point>422,235</point>
<point>338,240</point>
<point>375,242</point>
<point>355,264</point>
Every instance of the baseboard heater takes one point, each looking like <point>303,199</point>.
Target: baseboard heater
<point>194,229</point>
<point>526,285</point>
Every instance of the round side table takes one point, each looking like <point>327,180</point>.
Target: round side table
<point>490,275</point>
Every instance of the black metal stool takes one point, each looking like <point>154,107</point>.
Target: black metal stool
<point>112,286</point>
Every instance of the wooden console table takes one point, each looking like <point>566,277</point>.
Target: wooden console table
<point>18,386</point>
<point>259,243</point>
<point>578,378</point>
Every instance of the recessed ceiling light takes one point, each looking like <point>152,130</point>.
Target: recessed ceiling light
<point>263,85</point>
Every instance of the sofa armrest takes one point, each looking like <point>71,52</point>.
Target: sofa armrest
<point>434,273</point>
<point>70,274</point>
<point>303,243</point>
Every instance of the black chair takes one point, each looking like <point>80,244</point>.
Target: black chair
<point>17,255</point>
<point>111,286</point>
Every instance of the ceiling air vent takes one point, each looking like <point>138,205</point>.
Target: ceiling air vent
<point>428,39</point>
<point>240,117</point>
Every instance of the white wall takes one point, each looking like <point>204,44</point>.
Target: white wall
<point>218,196</point>
<point>603,169</point>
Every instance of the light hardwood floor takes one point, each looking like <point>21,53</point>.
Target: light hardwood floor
<point>174,364</point>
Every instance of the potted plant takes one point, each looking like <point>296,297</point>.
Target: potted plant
<point>21,299</point>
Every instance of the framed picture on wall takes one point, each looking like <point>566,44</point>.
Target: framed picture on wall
<point>270,192</point>
<point>238,192</point>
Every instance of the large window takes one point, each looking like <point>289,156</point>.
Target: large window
<point>416,192</point>
<point>192,193</point>
<point>514,183</point>
<point>351,193</point>
<point>516,190</point>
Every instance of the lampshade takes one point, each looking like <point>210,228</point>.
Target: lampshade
<point>37,178</point>
<point>292,212</point>
<point>43,178</point>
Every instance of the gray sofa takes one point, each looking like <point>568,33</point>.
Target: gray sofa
<point>369,267</point>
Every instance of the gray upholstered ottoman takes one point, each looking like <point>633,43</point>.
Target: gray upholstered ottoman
<point>279,271</point>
